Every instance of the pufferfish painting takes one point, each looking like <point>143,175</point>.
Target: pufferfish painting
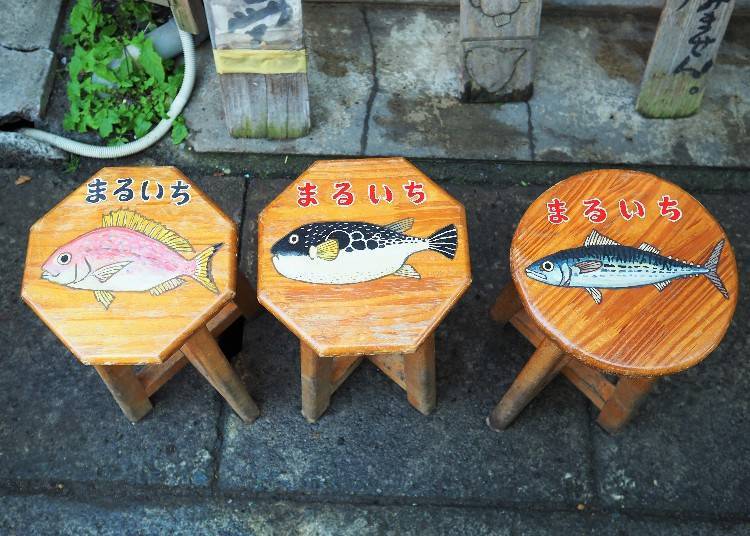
<point>128,253</point>
<point>345,252</point>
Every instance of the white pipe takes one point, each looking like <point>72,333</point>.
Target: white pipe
<point>127,149</point>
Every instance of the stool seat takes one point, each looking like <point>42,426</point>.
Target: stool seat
<point>626,272</point>
<point>363,259</point>
<point>139,267</point>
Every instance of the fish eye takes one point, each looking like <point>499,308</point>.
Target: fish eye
<point>63,258</point>
<point>293,239</point>
<point>547,266</point>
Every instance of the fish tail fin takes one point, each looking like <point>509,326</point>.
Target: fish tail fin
<point>712,265</point>
<point>202,269</point>
<point>444,241</point>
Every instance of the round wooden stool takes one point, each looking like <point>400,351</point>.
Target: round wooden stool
<point>619,272</point>
<point>139,267</point>
<point>363,259</point>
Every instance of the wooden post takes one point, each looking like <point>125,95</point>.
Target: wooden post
<point>628,394</point>
<point>260,56</point>
<point>548,360</point>
<point>317,382</point>
<point>684,51</point>
<point>498,49</point>
<point>419,374</point>
<point>126,389</point>
<point>189,15</point>
<point>508,303</point>
<point>204,353</point>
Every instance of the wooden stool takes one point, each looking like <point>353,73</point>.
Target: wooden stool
<point>599,287</point>
<point>363,259</point>
<point>139,267</point>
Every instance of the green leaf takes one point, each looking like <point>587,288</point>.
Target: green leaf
<point>151,61</point>
<point>179,131</point>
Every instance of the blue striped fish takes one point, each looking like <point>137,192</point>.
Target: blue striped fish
<point>604,263</point>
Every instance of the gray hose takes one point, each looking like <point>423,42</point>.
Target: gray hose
<point>127,149</point>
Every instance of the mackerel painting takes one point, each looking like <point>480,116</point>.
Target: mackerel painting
<point>341,252</point>
<point>603,263</point>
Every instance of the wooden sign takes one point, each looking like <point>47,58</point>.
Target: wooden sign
<point>362,256</point>
<point>130,264</point>
<point>625,271</point>
<point>498,41</point>
<point>683,54</point>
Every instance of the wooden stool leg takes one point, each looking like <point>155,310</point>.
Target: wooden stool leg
<point>126,389</point>
<point>548,360</point>
<point>317,382</point>
<point>629,393</point>
<point>206,356</point>
<point>419,376</point>
<point>508,303</point>
<point>246,297</point>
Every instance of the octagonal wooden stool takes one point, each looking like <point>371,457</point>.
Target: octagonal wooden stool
<point>363,259</point>
<point>139,267</point>
<point>614,272</point>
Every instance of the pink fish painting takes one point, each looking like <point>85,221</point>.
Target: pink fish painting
<point>128,253</point>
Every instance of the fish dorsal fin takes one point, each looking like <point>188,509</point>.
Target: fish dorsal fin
<point>400,225</point>
<point>648,247</point>
<point>105,272</point>
<point>134,221</point>
<point>598,239</point>
<point>595,293</point>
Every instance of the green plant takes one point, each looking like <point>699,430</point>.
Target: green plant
<point>119,101</point>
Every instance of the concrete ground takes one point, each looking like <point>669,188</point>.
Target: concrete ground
<point>70,462</point>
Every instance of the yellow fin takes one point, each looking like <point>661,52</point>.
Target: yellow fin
<point>328,250</point>
<point>104,297</point>
<point>169,284</point>
<point>132,220</point>
<point>202,272</point>
<point>400,225</point>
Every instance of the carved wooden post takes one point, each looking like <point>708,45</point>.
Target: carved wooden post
<point>260,56</point>
<point>684,51</point>
<point>498,48</point>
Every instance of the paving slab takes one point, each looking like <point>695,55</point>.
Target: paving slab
<point>417,111</point>
<point>371,442</point>
<point>60,423</point>
<point>339,77</point>
<point>62,516</point>
<point>687,449</point>
<point>587,82</point>
<point>29,24</point>
<point>25,83</point>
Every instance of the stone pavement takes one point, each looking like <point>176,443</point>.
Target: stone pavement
<point>70,463</point>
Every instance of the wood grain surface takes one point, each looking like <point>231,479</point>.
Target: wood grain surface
<point>392,314</point>
<point>634,331</point>
<point>138,327</point>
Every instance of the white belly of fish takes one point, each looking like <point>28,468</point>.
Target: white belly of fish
<point>127,280</point>
<point>348,267</point>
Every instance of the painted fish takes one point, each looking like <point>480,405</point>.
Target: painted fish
<point>129,253</point>
<point>604,263</point>
<point>338,252</point>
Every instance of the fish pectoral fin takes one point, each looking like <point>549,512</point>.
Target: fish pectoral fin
<point>597,239</point>
<point>645,246</point>
<point>400,225</point>
<point>407,270</point>
<point>104,297</point>
<point>105,272</point>
<point>595,293</point>
<point>166,286</point>
<point>661,285</point>
<point>588,266</point>
<point>328,250</point>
